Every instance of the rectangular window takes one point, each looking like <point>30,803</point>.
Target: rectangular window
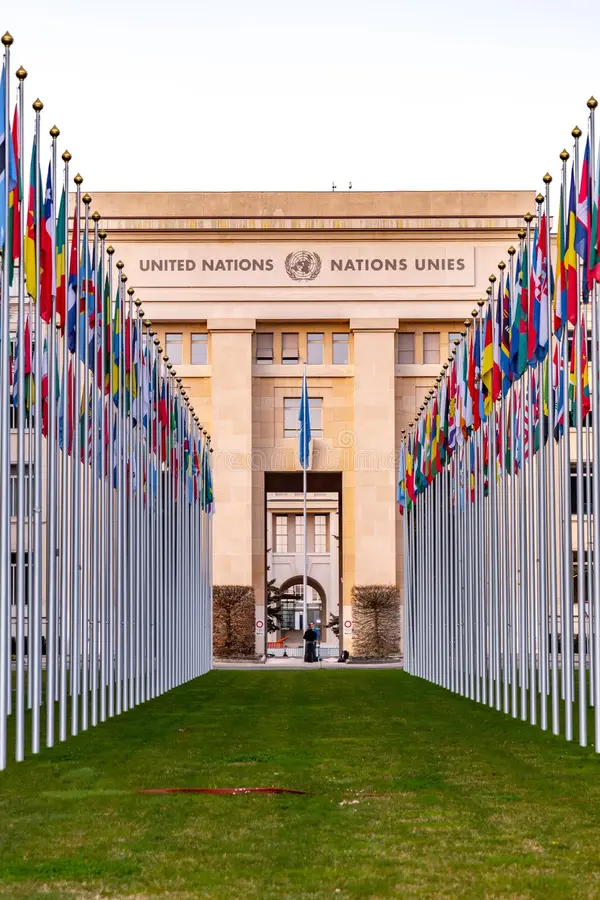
<point>341,348</point>
<point>431,347</point>
<point>320,534</point>
<point>314,349</point>
<point>291,409</point>
<point>289,349</point>
<point>281,534</point>
<point>587,489</point>
<point>14,490</point>
<point>173,348</point>
<point>199,354</point>
<point>406,348</point>
<point>299,534</point>
<point>264,348</point>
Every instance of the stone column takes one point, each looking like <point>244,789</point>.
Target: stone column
<point>231,384</point>
<point>374,465</point>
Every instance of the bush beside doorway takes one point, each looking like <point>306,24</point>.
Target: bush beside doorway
<point>376,621</point>
<point>233,621</point>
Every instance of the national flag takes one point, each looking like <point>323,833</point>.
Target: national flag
<point>61,263</point>
<point>304,420</point>
<point>452,408</point>
<point>543,278</point>
<point>401,491</point>
<point>472,417</point>
<point>487,366</point>
<point>410,478</point>
<point>559,393</point>
<point>72,289</point>
<point>594,261</point>
<point>15,201</point>
<point>87,305</point>
<point>582,225</point>
<point>106,324</point>
<point>31,226</point>
<point>524,314</point>
<point>571,257</point>
<point>28,370</point>
<point>497,339</point>
<point>47,252</point>
<point>560,287</point>
<point>8,179</point>
<point>116,348</point>
<point>584,388</point>
<point>505,363</point>
<point>515,331</point>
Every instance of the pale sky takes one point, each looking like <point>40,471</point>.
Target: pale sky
<point>278,95</point>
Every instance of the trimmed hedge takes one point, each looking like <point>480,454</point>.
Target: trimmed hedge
<point>233,621</point>
<point>376,621</point>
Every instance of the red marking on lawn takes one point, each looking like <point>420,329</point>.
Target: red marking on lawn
<point>243,790</point>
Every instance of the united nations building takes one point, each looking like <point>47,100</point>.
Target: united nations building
<point>368,290</point>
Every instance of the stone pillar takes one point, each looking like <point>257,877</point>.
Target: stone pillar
<point>374,460</point>
<point>231,385</point>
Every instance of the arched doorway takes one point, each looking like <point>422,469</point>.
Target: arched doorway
<point>292,624</point>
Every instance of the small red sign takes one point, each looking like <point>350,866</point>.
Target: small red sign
<point>347,624</point>
<point>259,624</point>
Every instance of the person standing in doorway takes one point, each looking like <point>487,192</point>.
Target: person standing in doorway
<point>310,643</point>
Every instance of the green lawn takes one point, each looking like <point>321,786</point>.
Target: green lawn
<point>414,793</point>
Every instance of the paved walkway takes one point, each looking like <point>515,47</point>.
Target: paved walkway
<point>291,663</point>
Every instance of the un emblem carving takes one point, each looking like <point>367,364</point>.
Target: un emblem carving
<point>303,265</point>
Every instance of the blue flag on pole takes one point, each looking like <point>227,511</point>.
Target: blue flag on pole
<point>304,419</point>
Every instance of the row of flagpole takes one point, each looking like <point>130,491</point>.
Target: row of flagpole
<point>496,479</point>
<point>105,476</point>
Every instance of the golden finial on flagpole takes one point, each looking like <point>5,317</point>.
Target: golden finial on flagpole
<point>521,234</point>
<point>547,178</point>
<point>123,277</point>
<point>137,302</point>
<point>564,155</point>
<point>96,216</point>
<point>54,132</point>
<point>78,179</point>
<point>37,105</point>
<point>528,217</point>
<point>86,199</point>
<point>511,251</point>
<point>66,157</point>
<point>130,291</point>
<point>120,264</point>
<point>21,73</point>
<point>110,250</point>
<point>102,234</point>
<point>502,266</point>
<point>148,323</point>
<point>592,103</point>
<point>467,323</point>
<point>7,39</point>
<point>576,132</point>
<point>480,303</point>
<point>492,278</point>
<point>539,199</point>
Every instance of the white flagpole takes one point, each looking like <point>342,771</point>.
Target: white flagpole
<point>21,495</point>
<point>51,509</point>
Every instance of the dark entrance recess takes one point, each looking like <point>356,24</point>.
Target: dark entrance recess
<point>316,482</point>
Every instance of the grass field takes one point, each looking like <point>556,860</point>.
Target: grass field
<point>414,792</point>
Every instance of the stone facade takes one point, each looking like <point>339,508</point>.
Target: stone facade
<point>372,266</point>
